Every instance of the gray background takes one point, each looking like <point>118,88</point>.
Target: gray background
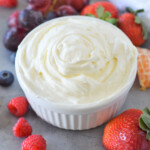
<point>57,139</point>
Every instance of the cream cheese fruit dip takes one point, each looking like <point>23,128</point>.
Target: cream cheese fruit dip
<point>75,60</point>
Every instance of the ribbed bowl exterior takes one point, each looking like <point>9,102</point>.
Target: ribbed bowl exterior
<point>80,116</point>
<point>77,121</point>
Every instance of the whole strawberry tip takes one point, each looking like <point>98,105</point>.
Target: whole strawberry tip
<point>144,122</point>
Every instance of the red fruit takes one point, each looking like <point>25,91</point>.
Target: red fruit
<point>65,10</point>
<point>92,9</point>
<point>123,132</point>
<point>77,4</point>
<point>34,142</point>
<point>42,8</point>
<point>134,30</point>
<point>13,19</point>
<point>22,128</point>
<point>57,3</point>
<point>37,3</point>
<point>8,3</point>
<point>13,37</point>
<point>18,106</point>
<point>30,19</point>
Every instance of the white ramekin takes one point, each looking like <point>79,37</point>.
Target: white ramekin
<point>80,116</point>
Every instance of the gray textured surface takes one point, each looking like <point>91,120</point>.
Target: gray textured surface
<point>57,139</point>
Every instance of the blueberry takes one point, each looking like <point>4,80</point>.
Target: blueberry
<point>12,57</point>
<point>30,18</point>
<point>6,78</point>
<point>50,15</point>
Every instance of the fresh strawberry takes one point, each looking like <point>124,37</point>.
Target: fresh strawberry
<point>106,7</point>
<point>128,131</point>
<point>132,26</point>
<point>8,3</point>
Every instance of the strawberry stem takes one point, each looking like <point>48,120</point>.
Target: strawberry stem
<point>90,15</point>
<point>144,122</point>
<point>139,11</point>
<point>104,15</point>
<point>100,11</point>
<point>130,10</point>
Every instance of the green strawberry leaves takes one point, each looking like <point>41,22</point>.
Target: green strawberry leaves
<point>139,11</point>
<point>138,20</point>
<point>146,111</point>
<point>130,10</point>
<point>144,122</point>
<point>104,15</point>
<point>100,12</point>
<point>112,21</point>
<point>90,15</point>
<point>148,135</point>
<point>145,32</point>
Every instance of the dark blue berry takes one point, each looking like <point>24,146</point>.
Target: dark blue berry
<point>6,78</point>
<point>50,15</point>
<point>12,57</point>
<point>30,18</point>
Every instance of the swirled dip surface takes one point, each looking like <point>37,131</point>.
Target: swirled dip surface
<point>75,60</point>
